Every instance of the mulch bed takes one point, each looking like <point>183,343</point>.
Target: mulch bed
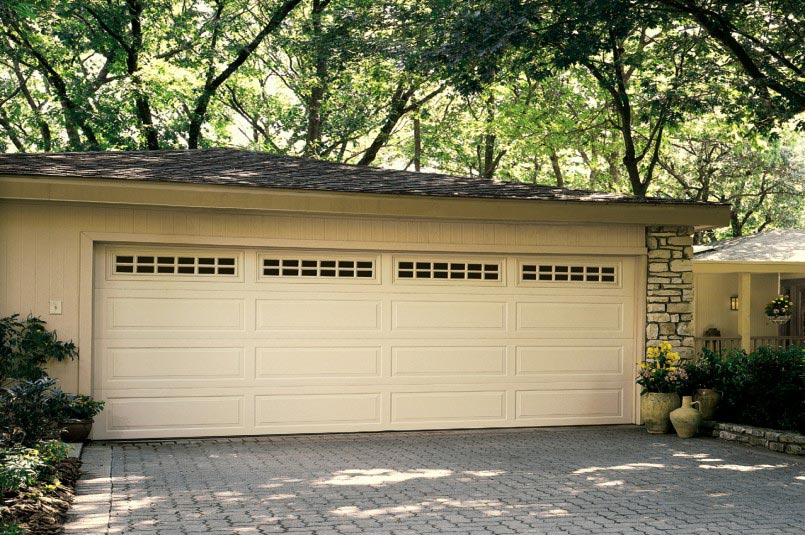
<point>40,510</point>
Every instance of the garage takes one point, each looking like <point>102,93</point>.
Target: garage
<point>219,341</point>
<point>224,292</point>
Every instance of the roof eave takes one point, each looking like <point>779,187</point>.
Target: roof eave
<point>222,197</point>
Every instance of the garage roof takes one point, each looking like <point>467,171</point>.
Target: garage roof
<point>233,167</point>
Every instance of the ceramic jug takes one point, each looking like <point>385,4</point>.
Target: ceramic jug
<point>686,419</point>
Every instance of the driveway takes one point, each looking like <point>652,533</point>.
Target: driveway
<point>576,480</point>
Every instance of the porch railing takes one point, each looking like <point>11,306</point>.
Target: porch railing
<point>720,343</point>
<point>777,341</point>
<point>717,343</point>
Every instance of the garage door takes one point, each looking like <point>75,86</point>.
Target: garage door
<point>203,342</point>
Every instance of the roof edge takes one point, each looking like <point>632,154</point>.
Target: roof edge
<point>207,196</point>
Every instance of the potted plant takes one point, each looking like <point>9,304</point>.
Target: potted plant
<point>75,413</point>
<point>779,309</point>
<point>661,377</point>
<point>704,381</point>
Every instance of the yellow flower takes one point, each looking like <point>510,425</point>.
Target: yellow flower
<point>653,352</point>
<point>671,368</point>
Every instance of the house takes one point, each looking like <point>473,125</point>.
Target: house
<point>227,292</point>
<point>734,281</point>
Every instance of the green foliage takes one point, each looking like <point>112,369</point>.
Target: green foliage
<point>707,371</point>
<point>65,406</point>
<point>22,467</point>
<point>765,388</point>
<point>27,416</point>
<point>27,346</point>
<point>779,306</point>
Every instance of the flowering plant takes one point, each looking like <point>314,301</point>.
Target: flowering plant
<point>661,371</point>
<point>781,306</point>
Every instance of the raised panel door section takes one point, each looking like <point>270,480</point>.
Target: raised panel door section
<point>437,407</point>
<point>160,363</point>
<point>570,360</point>
<point>318,314</point>
<point>174,313</point>
<point>441,361</point>
<point>579,403</point>
<point>317,409</point>
<point>216,412</point>
<point>580,317</point>
<point>449,315</point>
<point>317,362</point>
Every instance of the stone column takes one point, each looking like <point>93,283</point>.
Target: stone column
<point>669,292</point>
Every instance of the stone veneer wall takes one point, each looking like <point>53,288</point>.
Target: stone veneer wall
<point>669,298</point>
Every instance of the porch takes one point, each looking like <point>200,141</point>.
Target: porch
<point>734,280</point>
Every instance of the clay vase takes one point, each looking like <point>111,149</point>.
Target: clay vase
<point>655,409</point>
<point>708,402</point>
<point>687,418</point>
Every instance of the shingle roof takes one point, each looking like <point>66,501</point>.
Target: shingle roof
<point>233,167</point>
<point>772,246</point>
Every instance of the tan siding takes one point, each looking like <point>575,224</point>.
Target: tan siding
<point>765,287</point>
<point>40,244</point>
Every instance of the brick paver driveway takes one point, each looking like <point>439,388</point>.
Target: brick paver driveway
<point>577,480</point>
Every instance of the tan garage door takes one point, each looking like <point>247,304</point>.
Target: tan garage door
<point>200,342</point>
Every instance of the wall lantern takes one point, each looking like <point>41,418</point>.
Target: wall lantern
<point>734,302</point>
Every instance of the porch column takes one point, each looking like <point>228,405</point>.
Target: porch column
<point>745,312</point>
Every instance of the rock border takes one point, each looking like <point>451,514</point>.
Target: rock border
<point>782,441</point>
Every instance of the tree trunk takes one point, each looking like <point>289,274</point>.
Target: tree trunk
<point>141,100</point>
<point>317,92</point>
<point>557,170</point>
<point>417,142</point>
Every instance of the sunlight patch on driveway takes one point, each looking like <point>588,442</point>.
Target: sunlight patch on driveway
<point>742,467</point>
<point>630,466</point>
<point>381,476</point>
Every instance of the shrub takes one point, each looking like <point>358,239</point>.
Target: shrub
<point>27,416</point>
<point>26,346</point>
<point>706,372</point>
<point>765,388</point>
<point>22,467</point>
<point>74,406</point>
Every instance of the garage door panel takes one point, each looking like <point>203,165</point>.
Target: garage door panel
<point>174,413</point>
<point>168,363</point>
<point>426,407</point>
<point>570,403</point>
<point>589,318</point>
<point>319,315</point>
<point>312,362</point>
<point>174,313</point>
<point>436,315</point>
<point>606,358</point>
<point>307,409</point>
<point>448,361</point>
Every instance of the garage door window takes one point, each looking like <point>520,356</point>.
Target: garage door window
<point>443,270</point>
<point>564,273</point>
<point>315,268</point>
<point>134,264</point>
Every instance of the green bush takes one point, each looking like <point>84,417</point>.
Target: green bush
<point>22,467</point>
<point>28,416</point>
<point>765,388</point>
<point>26,346</point>
<point>706,372</point>
<point>74,406</point>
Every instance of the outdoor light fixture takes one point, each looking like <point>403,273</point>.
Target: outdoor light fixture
<point>734,302</point>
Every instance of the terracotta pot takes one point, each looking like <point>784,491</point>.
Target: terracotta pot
<point>708,402</point>
<point>687,418</point>
<point>655,410</point>
<point>75,430</point>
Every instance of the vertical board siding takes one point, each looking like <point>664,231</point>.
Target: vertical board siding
<point>40,245</point>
